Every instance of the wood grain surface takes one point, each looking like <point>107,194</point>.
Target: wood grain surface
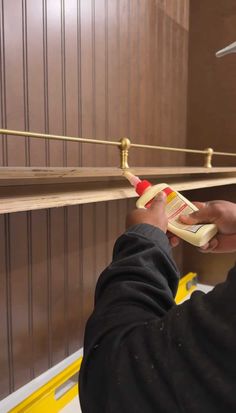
<point>103,68</point>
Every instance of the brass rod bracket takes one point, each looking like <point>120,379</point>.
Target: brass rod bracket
<point>208,158</point>
<point>124,152</point>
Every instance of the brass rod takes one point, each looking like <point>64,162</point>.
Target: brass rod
<point>167,148</point>
<point>225,153</point>
<point>103,142</point>
<point>57,137</point>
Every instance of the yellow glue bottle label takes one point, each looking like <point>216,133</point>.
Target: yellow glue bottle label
<point>177,204</point>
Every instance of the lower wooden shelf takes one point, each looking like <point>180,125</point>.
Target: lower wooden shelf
<point>27,189</point>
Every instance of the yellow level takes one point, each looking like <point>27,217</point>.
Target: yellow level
<point>187,285</point>
<point>51,397</point>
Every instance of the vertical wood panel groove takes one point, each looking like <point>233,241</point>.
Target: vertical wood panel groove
<point>9,304</point>
<point>79,80</point>
<point>106,118</point>
<point>80,269</point>
<point>3,85</point>
<point>45,69</point>
<point>156,71</point>
<point>118,64</point>
<point>95,218</point>
<point>106,79</point>
<point>25,80</point>
<point>139,34</point>
<point>94,114</point>
<point>129,73</point>
<point>146,80</point>
<point>164,82</point>
<point>171,64</point>
<point>49,288</point>
<point>81,224</point>
<point>153,68</point>
<point>106,233</point>
<point>30,292</point>
<point>63,77</point>
<point>66,283</point>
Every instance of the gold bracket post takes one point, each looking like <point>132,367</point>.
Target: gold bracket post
<point>208,158</point>
<point>124,152</point>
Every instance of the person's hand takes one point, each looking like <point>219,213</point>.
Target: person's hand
<point>223,215</point>
<point>155,215</point>
<point>173,239</point>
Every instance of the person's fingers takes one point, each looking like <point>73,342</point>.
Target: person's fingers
<point>210,246</point>
<point>225,243</point>
<point>204,247</point>
<point>199,205</point>
<point>220,243</point>
<point>159,201</point>
<point>204,215</point>
<point>155,215</point>
<point>174,241</point>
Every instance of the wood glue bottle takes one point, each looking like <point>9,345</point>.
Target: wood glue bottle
<point>176,204</point>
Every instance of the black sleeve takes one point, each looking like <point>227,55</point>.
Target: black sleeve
<point>142,353</point>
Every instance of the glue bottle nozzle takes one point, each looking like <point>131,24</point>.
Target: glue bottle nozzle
<point>134,180</point>
<point>139,185</point>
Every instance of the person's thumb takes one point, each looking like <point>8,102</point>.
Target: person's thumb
<point>159,201</point>
<point>203,216</point>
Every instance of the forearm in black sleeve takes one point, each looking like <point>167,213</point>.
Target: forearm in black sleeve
<point>141,281</point>
<point>139,285</point>
<point>143,353</point>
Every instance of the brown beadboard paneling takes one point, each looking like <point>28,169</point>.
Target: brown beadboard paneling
<point>113,74</point>
<point>151,86</point>
<point>45,77</point>
<point>87,77</point>
<point>74,284</point>
<point>142,65</point>
<point>99,79</point>
<point>124,69</point>
<point>3,139</point>
<point>88,262</point>
<point>134,102</point>
<point>211,113</point>
<point>172,116</point>
<point>101,69</point>
<point>98,68</point>
<point>34,79</point>
<point>112,230</point>
<point>100,237</point>
<point>121,214</point>
<point>212,87</point>
<point>58,286</point>
<point>13,60</point>
<point>39,262</point>
<point>5,315</point>
<point>21,288</point>
<point>55,58</point>
<point>71,76</point>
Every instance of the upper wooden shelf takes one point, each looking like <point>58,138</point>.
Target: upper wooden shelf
<point>26,189</point>
<point>37,175</point>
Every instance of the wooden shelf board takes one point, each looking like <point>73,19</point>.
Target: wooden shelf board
<point>32,197</point>
<point>36,175</point>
